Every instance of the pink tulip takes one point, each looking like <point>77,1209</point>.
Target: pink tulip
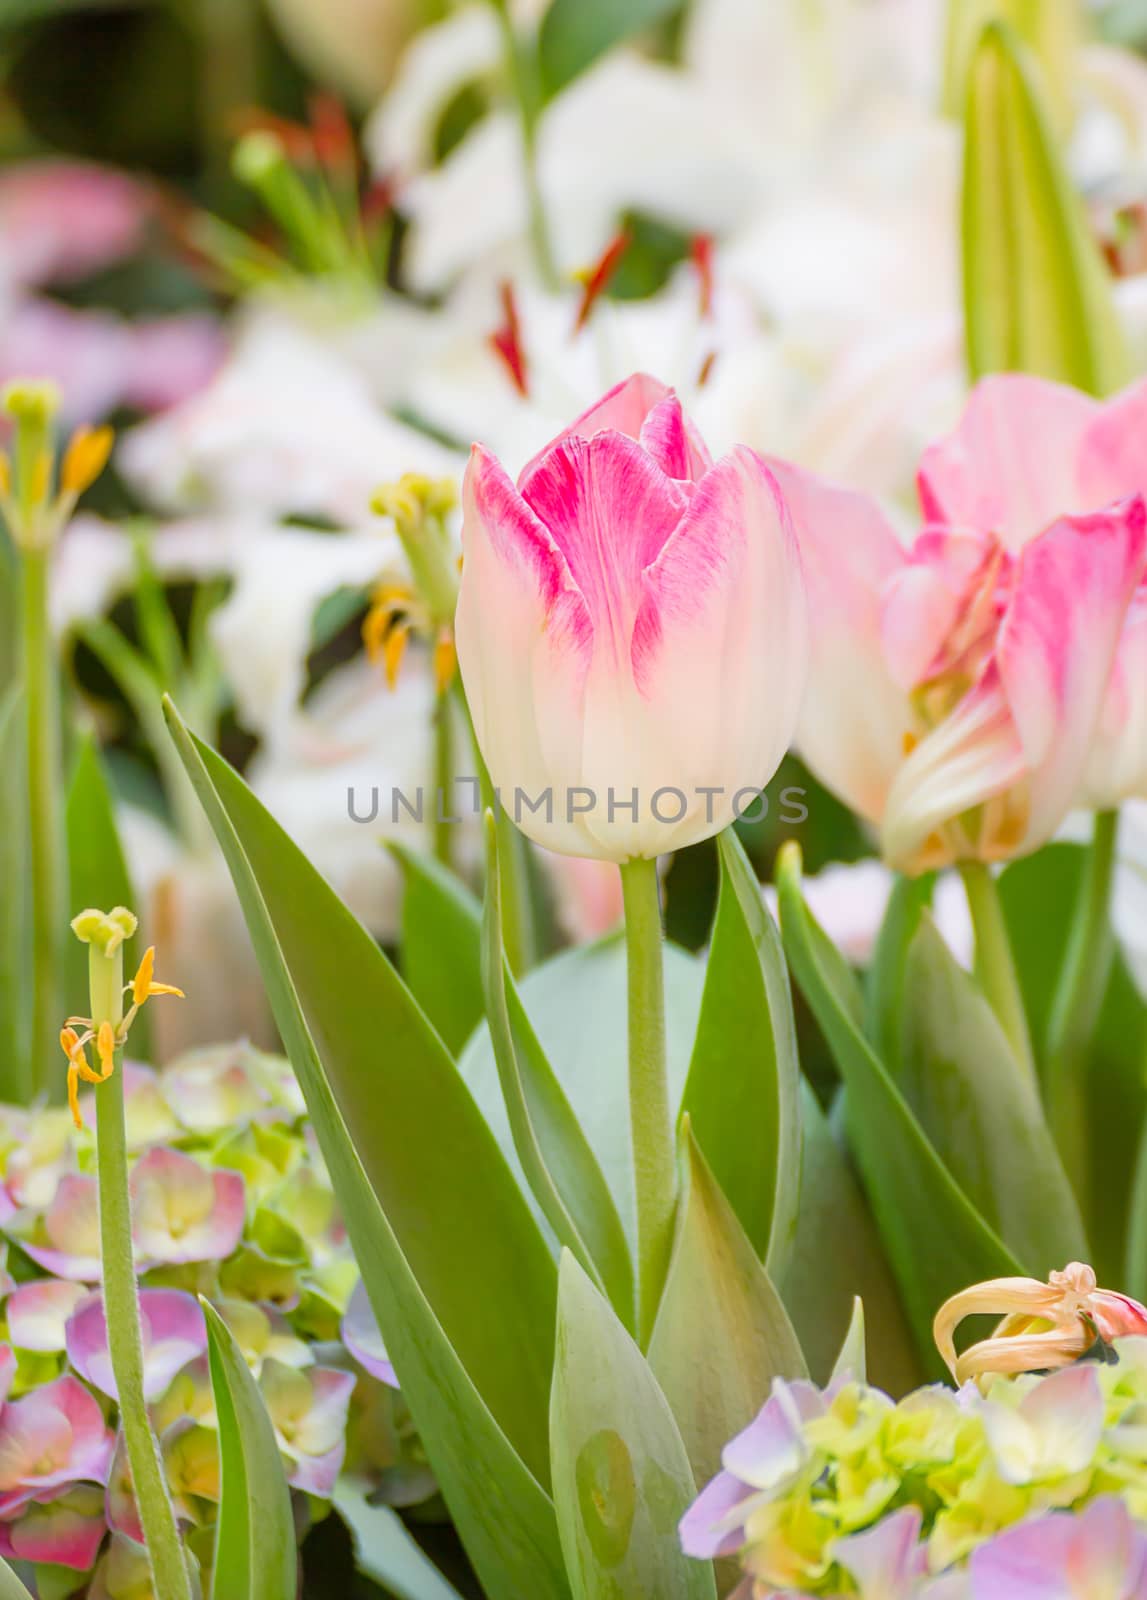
<point>959,690</point>
<point>631,629</point>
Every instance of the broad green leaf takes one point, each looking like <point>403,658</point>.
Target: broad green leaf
<point>574,33</point>
<point>852,1361</point>
<point>621,1476</point>
<point>936,1240</point>
<point>884,986</point>
<point>441,946</point>
<point>385,1551</point>
<point>838,1256</point>
<point>1037,296</point>
<point>984,1117</point>
<point>255,1554</point>
<point>1034,893</point>
<point>14,912</point>
<point>10,1586</point>
<point>1050,29</point>
<point>722,1334</point>
<point>329,995</point>
<point>97,876</point>
<point>742,1092</point>
<point>576,1003</point>
<point>559,1165</point>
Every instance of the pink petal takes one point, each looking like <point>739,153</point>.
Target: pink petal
<point>938,594</point>
<point>318,1475</point>
<point>674,443</point>
<point>705,1531</point>
<point>71,1225</point>
<point>886,1560</point>
<point>174,1333</point>
<point>62,220</point>
<point>360,1334</point>
<point>65,1532</point>
<point>622,410</point>
<point>855,715</point>
<point>1117,768</point>
<point>1116,1315</point>
<point>1058,644</point>
<point>182,1211</point>
<point>37,1313</point>
<point>1093,1554</point>
<point>610,509</point>
<point>767,1453</point>
<point>169,359</point>
<point>1013,465</point>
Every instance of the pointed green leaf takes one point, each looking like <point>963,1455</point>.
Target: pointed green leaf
<point>441,946</point>
<point>742,1093</point>
<point>574,33</point>
<point>576,1003</point>
<point>1049,28</point>
<point>559,1165</point>
<point>1037,296</point>
<point>10,1586</point>
<point>852,1361</point>
<point>97,875</point>
<point>365,1058</point>
<point>984,1118</point>
<point>722,1334</point>
<point>255,1554</point>
<point>385,1551</point>
<point>621,1475</point>
<point>936,1240</point>
<point>839,1255</point>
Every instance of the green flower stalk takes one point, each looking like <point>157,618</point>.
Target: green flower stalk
<point>108,1027</point>
<point>35,511</point>
<point>651,1124</point>
<point>994,963</point>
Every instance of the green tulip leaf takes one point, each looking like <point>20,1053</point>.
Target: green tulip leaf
<point>441,959</point>
<point>839,1255</point>
<point>1037,296</point>
<point>10,1586</point>
<point>255,1554</point>
<point>742,1094</point>
<point>851,1362</point>
<point>983,1116</point>
<point>936,1240</point>
<point>367,1061</point>
<point>722,1334</point>
<point>576,1003</point>
<point>621,1476</point>
<point>559,1165</point>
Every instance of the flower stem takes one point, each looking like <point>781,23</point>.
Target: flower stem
<point>443,780</point>
<point>650,1120</point>
<point>170,1579</point>
<point>522,62</point>
<point>994,964</point>
<point>1078,998</point>
<point>45,828</point>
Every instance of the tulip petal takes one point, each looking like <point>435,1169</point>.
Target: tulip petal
<point>609,509</point>
<point>1117,769</point>
<point>854,716</point>
<point>1058,643</point>
<point>1012,465</point>
<point>671,439</point>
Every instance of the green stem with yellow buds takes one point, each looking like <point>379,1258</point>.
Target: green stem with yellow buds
<point>45,826</point>
<point>166,1557</point>
<point>650,1118</point>
<point>994,963</point>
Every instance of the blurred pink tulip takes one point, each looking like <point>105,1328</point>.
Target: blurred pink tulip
<point>959,690</point>
<point>630,628</point>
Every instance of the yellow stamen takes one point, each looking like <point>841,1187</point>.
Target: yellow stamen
<point>393,650</point>
<point>105,1049</point>
<point>85,458</point>
<point>445,661</point>
<point>143,986</point>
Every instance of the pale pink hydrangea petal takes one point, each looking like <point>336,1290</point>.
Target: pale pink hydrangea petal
<point>70,1230</point>
<point>209,1090</point>
<point>362,1338</point>
<point>38,1313</point>
<point>64,1530</point>
<point>1097,1553</point>
<point>173,1330</point>
<point>1053,1432</point>
<point>183,1212</point>
<point>885,1561</point>
<point>54,1436</point>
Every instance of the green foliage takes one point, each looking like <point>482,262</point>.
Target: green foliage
<point>621,1475</point>
<point>722,1334</point>
<point>1037,297</point>
<point>441,962</point>
<point>255,1557</point>
<point>742,1092</point>
<point>576,33</point>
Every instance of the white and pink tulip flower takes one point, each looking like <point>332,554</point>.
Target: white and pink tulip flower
<point>631,621</point>
<point>966,692</point>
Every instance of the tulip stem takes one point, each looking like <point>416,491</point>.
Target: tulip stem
<point>650,1120</point>
<point>45,841</point>
<point>994,964</point>
<point>522,61</point>
<point>443,780</point>
<point>170,1579</point>
<point>1078,998</point>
